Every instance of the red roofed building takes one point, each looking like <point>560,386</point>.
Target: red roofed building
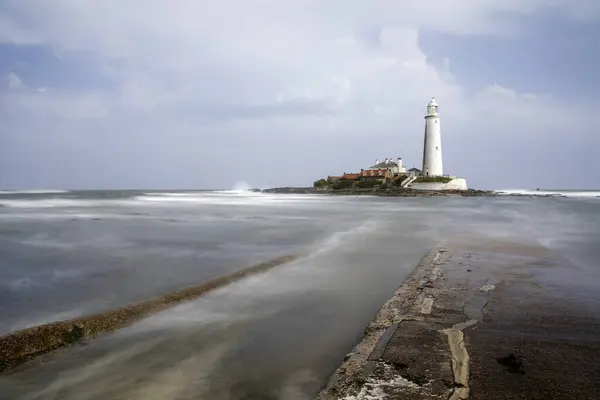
<point>380,174</point>
<point>350,177</point>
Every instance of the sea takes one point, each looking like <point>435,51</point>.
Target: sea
<point>276,335</point>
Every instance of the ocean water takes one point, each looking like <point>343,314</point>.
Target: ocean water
<point>278,335</point>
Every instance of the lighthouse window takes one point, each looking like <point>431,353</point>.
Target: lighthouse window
<point>436,147</point>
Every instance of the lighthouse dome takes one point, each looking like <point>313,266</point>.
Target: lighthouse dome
<point>433,102</point>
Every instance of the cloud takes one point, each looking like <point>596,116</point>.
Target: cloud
<point>13,81</point>
<point>25,101</point>
<point>250,79</point>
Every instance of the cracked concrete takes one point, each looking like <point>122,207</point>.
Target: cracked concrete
<point>481,320</point>
<point>486,288</point>
<point>427,305</point>
<point>460,363</point>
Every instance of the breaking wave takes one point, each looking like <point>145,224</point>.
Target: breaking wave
<point>557,193</point>
<point>242,186</point>
<point>57,203</point>
<point>228,197</point>
<point>37,191</point>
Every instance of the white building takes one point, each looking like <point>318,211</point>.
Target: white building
<point>432,148</point>
<point>397,167</point>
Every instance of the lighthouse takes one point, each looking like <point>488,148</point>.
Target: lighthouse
<point>432,148</point>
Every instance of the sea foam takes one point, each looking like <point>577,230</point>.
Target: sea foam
<point>558,193</point>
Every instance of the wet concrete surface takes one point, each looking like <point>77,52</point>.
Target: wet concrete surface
<point>482,320</point>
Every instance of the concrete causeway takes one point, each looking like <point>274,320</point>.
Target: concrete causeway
<point>25,345</point>
<point>481,320</point>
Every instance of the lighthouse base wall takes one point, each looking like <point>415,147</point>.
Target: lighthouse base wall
<point>454,184</point>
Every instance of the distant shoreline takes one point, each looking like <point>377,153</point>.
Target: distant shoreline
<point>390,192</point>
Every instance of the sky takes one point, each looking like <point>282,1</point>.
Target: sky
<point>107,94</point>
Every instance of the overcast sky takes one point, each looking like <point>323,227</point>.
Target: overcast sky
<point>206,94</point>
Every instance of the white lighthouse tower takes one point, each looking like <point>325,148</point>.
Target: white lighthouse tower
<point>432,148</point>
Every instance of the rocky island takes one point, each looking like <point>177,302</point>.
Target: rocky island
<point>392,178</point>
<point>386,191</point>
